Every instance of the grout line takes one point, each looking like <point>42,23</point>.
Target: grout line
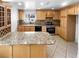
<point>55,50</point>
<point>66,50</point>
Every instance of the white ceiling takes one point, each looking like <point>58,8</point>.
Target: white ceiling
<point>47,4</point>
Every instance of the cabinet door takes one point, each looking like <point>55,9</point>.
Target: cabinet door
<point>21,14</point>
<point>49,14</point>
<point>56,15</point>
<point>77,9</point>
<point>63,27</point>
<point>32,28</point>
<point>21,28</point>
<point>26,28</point>
<point>57,30</point>
<point>38,51</point>
<point>71,25</point>
<point>29,28</point>
<point>21,51</point>
<point>41,15</point>
<point>71,10</point>
<point>5,51</point>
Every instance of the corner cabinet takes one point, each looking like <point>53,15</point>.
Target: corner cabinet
<point>5,20</point>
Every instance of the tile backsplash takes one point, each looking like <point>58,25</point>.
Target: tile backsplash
<point>43,22</point>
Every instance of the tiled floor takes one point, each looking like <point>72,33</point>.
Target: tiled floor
<point>62,49</point>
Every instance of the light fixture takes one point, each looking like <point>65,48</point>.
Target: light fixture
<point>38,8</point>
<point>30,5</point>
<point>64,4</point>
<point>27,4</point>
<point>52,8</point>
<point>19,3</point>
<point>41,3</point>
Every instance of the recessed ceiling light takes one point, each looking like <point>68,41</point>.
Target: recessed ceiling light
<point>41,3</point>
<point>52,8</point>
<point>27,5</point>
<point>64,4</point>
<point>38,8</point>
<point>19,3</point>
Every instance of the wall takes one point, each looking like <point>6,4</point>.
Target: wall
<point>14,18</point>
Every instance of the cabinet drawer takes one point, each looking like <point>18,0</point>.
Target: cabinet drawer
<point>26,28</point>
<point>32,28</point>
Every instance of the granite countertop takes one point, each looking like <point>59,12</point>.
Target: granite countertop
<point>36,25</point>
<point>27,38</point>
<point>30,25</point>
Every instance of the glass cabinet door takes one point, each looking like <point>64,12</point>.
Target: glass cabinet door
<point>1,16</point>
<point>8,16</point>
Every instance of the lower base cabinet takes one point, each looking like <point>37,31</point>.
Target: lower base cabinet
<point>5,51</point>
<point>38,51</point>
<point>23,51</point>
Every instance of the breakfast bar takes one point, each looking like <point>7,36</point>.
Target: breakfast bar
<point>25,45</point>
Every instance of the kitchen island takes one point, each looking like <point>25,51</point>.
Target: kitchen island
<point>25,45</point>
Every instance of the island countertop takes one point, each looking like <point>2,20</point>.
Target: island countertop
<point>27,38</point>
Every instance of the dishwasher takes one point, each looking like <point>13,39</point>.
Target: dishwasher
<point>38,28</point>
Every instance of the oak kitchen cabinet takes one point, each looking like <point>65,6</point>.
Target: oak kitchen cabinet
<point>38,51</point>
<point>22,28</point>
<point>71,27</point>
<point>29,28</point>
<point>67,27</point>
<point>40,15</point>
<point>56,15</point>
<point>57,30</point>
<point>5,51</point>
<point>76,9</point>
<point>49,13</point>
<point>26,28</point>
<point>21,14</point>
<point>63,27</point>
<point>21,51</point>
<point>71,10</point>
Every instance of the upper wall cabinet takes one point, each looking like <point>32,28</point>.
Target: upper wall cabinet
<point>77,9</point>
<point>49,14</point>
<point>21,14</point>
<point>63,12</point>
<point>71,10</point>
<point>40,15</point>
